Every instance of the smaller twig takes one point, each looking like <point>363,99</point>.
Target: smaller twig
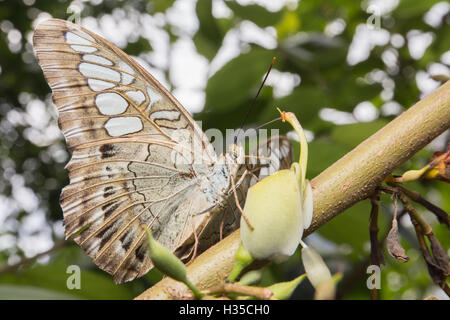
<point>237,202</point>
<point>426,228</point>
<point>386,189</point>
<point>254,176</point>
<point>24,261</point>
<point>446,289</point>
<point>436,259</point>
<point>228,287</point>
<point>441,215</point>
<point>376,256</point>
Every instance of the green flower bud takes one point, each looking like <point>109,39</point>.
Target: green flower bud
<point>251,277</point>
<point>283,290</point>
<point>166,262</point>
<point>242,259</point>
<point>316,269</point>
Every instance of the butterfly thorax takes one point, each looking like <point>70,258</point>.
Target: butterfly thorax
<point>216,186</point>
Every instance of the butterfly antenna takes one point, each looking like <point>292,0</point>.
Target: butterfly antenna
<point>269,122</point>
<point>257,94</point>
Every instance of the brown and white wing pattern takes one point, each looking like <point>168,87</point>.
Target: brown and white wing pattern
<point>273,155</point>
<point>124,131</point>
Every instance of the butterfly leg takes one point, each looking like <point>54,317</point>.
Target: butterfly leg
<point>196,242</point>
<point>205,211</point>
<point>254,175</point>
<point>192,251</point>
<point>249,156</point>
<point>221,226</point>
<point>237,201</point>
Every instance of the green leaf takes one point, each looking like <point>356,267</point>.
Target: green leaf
<point>412,8</point>
<point>351,227</point>
<point>160,5</point>
<point>234,83</point>
<point>255,13</point>
<point>288,25</point>
<point>53,277</point>
<point>21,292</point>
<point>353,134</point>
<point>138,47</point>
<point>305,101</point>
<point>322,154</point>
<point>208,38</point>
<point>204,46</point>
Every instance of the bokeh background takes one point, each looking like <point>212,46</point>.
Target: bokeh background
<point>346,68</point>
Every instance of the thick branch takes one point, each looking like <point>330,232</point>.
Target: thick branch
<point>352,178</point>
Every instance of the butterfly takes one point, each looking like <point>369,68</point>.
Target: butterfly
<point>137,156</point>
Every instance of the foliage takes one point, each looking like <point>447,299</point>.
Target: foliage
<point>313,39</point>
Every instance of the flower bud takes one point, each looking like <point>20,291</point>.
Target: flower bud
<point>316,269</point>
<point>251,277</point>
<point>279,207</point>
<point>242,259</point>
<point>412,175</point>
<point>325,290</point>
<point>283,290</point>
<point>274,208</point>
<point>166,262</point>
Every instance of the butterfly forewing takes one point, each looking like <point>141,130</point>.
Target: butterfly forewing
<point>123,129</point>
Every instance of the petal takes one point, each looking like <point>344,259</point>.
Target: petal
<point>308,205</point>
<point>316,269</point>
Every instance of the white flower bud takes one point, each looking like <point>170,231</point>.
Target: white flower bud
<point>315,268</point>
<point>279,207</point>
<point>274,208</point>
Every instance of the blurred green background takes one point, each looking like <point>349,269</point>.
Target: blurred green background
<point>346,68</point>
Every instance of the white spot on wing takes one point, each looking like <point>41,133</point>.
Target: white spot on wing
<point>126,78</point>
<point>127,72</point>
<point>154,96</point>
<point>85,35</point>
<point>97,59</point>
<point>99,85</point>
<point>84,49</point>
<point>123,125</point>
<point>110,103</point>
<point>137,96</point>
<point>165,115</point>
<point>72,38</point>
<point>125,67</point>
<point>95,71</point>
